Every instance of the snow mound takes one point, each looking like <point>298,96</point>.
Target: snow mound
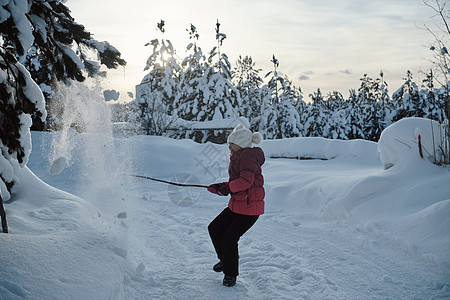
<point>320,148</point>
<point>431,225</point>
<point>58,247</point>
<point>403,135</point>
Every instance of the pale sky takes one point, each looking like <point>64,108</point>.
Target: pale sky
<point>324,44</point>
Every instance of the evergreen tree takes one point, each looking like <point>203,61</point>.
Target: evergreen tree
<point>49,26</point>
<point>155,96</point>
<point>354,125</point>
<point>39,69</point>
<point>333,101</point>
<point>434,108</point>
<point>51,58</point>
<point>335,106</point>
<point>288,120</point>
<point>248,82</point>
<point>384,104</point>
<point>220,96</point>
<point>337,124</point>
<point>288,116</point>
<point>274,80</point>
<point>162,78</point>
<point>189,96</point>
<point>407,101</point>
<point>223,65</point>
<point>221,80</point>
<point>207,92</point>
<point>20,98</point>
<point>367,97</point>
<point>269,126</point>
<point>317,121</point>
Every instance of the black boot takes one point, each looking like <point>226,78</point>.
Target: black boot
<point>229,280</point>
<point>218,267</point>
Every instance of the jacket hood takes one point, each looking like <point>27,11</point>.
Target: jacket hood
<point>257,152</point>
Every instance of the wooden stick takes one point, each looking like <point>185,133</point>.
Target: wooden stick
<point>169,182</point>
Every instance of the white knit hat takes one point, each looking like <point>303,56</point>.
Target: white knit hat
<point>243,137</point>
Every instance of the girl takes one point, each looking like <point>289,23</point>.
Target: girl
<point>246,186</point>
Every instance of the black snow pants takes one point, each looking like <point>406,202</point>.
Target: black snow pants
<point>225,231</point>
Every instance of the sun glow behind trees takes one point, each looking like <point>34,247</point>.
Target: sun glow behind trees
<point>204,87</point>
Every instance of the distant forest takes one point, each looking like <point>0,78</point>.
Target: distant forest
<point>205,87</point>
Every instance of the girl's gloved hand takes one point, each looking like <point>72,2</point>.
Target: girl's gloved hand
<point>214,188</point>
<point>224,189</point>
<point>221,189</point>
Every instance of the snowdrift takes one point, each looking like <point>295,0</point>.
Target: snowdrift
<point>403,135</point>
<point>321,148</point>
<point>59,247</point>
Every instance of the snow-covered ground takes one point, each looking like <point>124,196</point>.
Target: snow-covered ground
<point>338,226</point>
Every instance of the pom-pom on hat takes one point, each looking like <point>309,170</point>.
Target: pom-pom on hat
<point>244,137</point>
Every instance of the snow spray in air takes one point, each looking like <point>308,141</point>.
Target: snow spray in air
<point>84,136</point>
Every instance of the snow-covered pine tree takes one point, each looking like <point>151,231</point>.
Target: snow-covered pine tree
<point>219,97</point>
<point>333,101</point>
<point>48,25</point>
<point>269,126</point>
<point>317,118</point>
<point>417,105</point>
<point>39,70</point>
<point>367,98</point>
<point>434,108</point>
<point>155,96</point>
<point>51,58</point>
<point>205,89</point>
<point>354,123</point>
<point>248,82</point>
<point>335,105</point>
<point>225,90</point>
<point>384,104</point>
<point>407,101</point>
<point>189,95</point>
<point>399,107</point>
<point>288,116</point>
<point>338,126</point>
<point>20,98</point>
<point>301,108</point>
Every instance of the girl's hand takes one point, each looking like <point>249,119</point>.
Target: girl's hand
<point>214,188</point>
<point>221,189</point>
<point>224,189</point>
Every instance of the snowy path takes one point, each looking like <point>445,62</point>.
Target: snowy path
<point>281,257</point>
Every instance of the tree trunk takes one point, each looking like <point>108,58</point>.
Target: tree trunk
<point>3,216</point>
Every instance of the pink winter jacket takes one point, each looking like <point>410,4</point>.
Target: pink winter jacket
<point>246,182</point>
